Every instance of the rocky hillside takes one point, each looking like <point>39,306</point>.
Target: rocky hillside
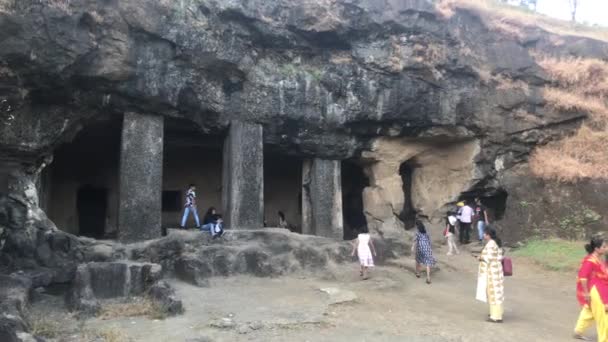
<point>336,79</point>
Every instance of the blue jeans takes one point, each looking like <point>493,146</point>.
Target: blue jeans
<point>208,227</point>
<point>481,227</point>
<point>211,228</point>
<point>187,211</point>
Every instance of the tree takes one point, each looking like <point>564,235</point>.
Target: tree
<point>573,7</point>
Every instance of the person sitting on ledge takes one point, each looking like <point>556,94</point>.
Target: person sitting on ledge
<point>282,220</point>
<point>213,223</point>
<point>208,218</point>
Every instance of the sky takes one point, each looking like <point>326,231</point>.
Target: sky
<point>589,11</point>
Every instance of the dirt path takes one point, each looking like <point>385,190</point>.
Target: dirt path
<point>392,306</point>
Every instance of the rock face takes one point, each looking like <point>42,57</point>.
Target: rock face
<point>14,298</point>
<point>263,253</point>
<point>548,208</point>
<point>97,281</point>
<point>330,79</point>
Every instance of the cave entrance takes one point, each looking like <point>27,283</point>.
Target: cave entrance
<point>496,204</point>
<point>408,213</point>
<point>82,192</point>
<point>91,204</point>
<point>190,156</point>
<point>354,182</point>
<point>282,190</point>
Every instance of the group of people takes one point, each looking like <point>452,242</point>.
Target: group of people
<point>490,281</point>
<point>459,223</point>
<point>470,214</point>
<point>212,221</point>
<point>592,282</point>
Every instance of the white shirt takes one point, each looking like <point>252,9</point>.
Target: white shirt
<point>452,219</point>
<point>466,215</point>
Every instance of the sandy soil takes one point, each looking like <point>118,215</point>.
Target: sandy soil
<point>391,306</point>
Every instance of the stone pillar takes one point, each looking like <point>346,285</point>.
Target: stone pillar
<point>243,176</point>
<point>141,177</point>
<point>322,198</point>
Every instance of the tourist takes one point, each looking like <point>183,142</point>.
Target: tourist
<point>465,218</point>
<point>217,230</point>
<point>592,291</point>
<point>282,221</point>
<point>423,251</point>
<point>190,206</point>
<point>490,278</point>
<point>365,249</point>
<point>208,220</point>
<point>481,216</point>
<point>450,233</point>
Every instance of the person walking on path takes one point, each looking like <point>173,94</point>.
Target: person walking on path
<point>364,247</point>
<point>481,218</point>
<point>465,217</point>
<point>592,291</point>
<point>190,207</point>
<point>423,251</point>
<point>450,233</point>
<point>490,276</point>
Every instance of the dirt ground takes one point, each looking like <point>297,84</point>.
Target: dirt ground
<point>391,306</point>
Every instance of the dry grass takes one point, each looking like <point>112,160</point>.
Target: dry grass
<point>134,308</point>
<point>570,100</point>
<point>106,335</point>
<point>510,20</point>
<point>579,85</point>
<point>44,327</point>
<point>581,156</point>
<point>587,76</point>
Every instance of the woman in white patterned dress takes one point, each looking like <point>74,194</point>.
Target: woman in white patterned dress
<point>490,279</point>
<point>365,249</point>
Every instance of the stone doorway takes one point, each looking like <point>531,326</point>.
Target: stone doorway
<point>408,213</point>
<point>91,204</point>
<point>282,190</point>
<point>83,181</point>
<point>496,204</point>
<point>190,156</point>
<point>354,181</point>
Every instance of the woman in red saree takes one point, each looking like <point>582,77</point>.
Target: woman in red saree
<point>592,290</point>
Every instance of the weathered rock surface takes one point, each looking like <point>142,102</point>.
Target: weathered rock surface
<point>538,208</point>
<point>104,280</point>
<point>14,298</point>
<point>325,79</point>
<point>165,296</point>
<point>322,77</point>
<point>194,258</point>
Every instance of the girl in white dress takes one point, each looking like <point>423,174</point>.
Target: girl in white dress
<point>364,247</point>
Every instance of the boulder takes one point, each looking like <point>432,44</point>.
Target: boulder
<point>163,294</point>
<point>105,280</point>
<point>14,297</point>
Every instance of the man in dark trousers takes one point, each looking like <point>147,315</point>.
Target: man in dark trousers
<point>465,217</point>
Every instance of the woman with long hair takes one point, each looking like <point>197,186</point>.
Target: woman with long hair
<point>490,277</point>
<point>208,218</point>
<point>592,290</point>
